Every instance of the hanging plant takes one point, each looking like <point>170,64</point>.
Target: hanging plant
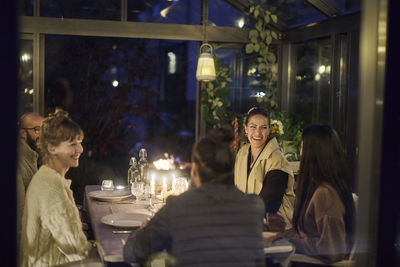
<point>215,96</point>
<point>260,44</point>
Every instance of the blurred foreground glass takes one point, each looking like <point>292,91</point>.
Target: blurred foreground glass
<point>107,185</point>
<point>181,185</point>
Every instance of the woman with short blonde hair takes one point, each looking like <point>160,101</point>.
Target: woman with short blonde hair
<point>51,227</point>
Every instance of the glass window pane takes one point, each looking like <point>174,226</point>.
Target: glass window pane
<point>293,13</point>
<point>346,6</point>
<point>25,7</point>
<point>312,82</point>
<point>126,94</point>
<point>100,9</point>
<point>25,75</point>
<point>230,17</point>
<point>253,86</point>
<point>177,11</point>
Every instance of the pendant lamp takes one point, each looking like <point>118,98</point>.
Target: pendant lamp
<point>205,65</point>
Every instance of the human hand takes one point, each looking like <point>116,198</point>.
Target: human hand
<point>274,223</point>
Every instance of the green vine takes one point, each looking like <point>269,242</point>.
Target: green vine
<point>260,44</point>
<point>215,96</point>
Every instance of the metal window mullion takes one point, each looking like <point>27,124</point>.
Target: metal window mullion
<point>38,73</point>
<point>124,10</point>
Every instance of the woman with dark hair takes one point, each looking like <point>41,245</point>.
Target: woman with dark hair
<point>262,169</point>
<point>51,227</point>
<point>213,224</point>
<point>324,208</point>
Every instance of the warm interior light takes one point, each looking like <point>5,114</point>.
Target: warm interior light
<point>205,65</point>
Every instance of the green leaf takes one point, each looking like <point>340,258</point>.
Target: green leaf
<point>260,59</point>
<point>259,25</point>
<point>256,47</point>
<point>262,35</point>
<point>271,57</point>
<point>262,67</point>
<point>267,12</point>
<point>210,85</point>
<point>266,19</point>
<point>253,34</point>
<point>274,35</point>
<point>269,39</point>
<point>256,12</point>
<point>251,9</point>
<point>249,48</point>
<point>274,18</point>
<point>254,40</point>
<point>264,51</point>
<point>223,84</point>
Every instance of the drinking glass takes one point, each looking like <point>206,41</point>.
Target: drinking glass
<point>107,185</point>
<point>180,185</point>
<point>138,190</point>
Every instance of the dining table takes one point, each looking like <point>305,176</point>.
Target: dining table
<point>111,231</point>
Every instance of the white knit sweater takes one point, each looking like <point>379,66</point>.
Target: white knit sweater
<point>51,227</point>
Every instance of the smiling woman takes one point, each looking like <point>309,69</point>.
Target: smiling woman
<point>52,230</point>
<point>262,169</point>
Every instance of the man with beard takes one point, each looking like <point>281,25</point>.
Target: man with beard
<point>29,131</point>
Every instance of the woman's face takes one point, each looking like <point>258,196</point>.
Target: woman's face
<point>68,152</point>
<point>257,130</point>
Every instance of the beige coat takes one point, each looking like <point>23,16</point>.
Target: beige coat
<point>51,227</point>
<point>271,158</point>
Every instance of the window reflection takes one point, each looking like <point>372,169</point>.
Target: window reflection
<point>312,82</point>
<point>176,11</point>
<point>124,97</point>
<point>26,91</point>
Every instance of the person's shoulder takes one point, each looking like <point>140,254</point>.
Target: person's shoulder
<point>325,197</point>
<point>243,149</point>
<point>47,178</point>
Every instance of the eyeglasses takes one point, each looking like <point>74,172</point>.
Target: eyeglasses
<point>35,129</point>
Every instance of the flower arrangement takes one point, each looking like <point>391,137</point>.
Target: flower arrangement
<point>277,127</point>
<point>288,133</point>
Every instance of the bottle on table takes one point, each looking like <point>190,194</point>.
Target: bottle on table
<point>143,165</point>
<point>133,172</point>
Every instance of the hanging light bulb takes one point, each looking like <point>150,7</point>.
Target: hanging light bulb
<point>205,65</point>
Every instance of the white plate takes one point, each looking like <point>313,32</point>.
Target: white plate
<point>115,195</point>
<point>125,219</point>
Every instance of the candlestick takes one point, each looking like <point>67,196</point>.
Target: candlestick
<point>173,184</point>
<point>164,190</point>
<point>153,186</point>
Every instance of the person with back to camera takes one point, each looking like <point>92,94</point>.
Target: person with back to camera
<point>324,208</point>
<point>51,227</point>
<point>262,169</point>
<point>29,130</point>
<point>212,224</point>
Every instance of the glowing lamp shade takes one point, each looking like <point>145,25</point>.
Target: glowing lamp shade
<point>205,65</point>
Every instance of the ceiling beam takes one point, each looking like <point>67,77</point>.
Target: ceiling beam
<point>324,7</point>
<point>324,28</point>
<point>125,29</point>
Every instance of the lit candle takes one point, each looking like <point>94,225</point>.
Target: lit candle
<point>153,185</point>
<point>164,189</point>
<point>173,183</point>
